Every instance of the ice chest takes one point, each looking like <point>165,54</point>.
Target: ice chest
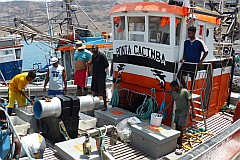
<point>86,122</point>
<point>154,141</point>
<point>20,126</point>
<point>112,116</point>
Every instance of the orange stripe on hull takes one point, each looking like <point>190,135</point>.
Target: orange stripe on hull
<point>65,48</point>
<point>16,46</point>
<point>100,46</point>
<point>143,84</point>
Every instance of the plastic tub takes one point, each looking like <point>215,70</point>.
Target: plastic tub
<point>156,119</point>
<point>20,125</point>
<point>86,122</point>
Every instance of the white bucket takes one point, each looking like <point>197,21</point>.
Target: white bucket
<point>156,119</point>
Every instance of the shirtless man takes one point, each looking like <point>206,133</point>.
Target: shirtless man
<point>82,59</point>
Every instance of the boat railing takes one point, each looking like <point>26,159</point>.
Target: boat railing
<point>201,85</point>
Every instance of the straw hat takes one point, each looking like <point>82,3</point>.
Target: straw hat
<point>80,45</point>
<point>53,60</point>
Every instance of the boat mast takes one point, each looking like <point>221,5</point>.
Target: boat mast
<point>50,29</point>
<point>69,17</point>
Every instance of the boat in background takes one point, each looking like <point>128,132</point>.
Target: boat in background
<point>11,57</point>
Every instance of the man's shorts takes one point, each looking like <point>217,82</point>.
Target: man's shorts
<point>80,78</point>
<point>21,100</point>
<point>181,120</point>
<point>55,92</point>
<point>188,69</point>
<point>98,84</point>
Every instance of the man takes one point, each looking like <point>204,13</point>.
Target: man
<point>82,58</point>
<point>33,143</point>
<point>56,76</point>
<point>193,48</point>
<point>16,90</point>
<point>183,99</point>
<point>100,64</point>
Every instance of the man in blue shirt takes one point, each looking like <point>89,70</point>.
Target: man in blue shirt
<point>82,59</point>
<point>193,48</point>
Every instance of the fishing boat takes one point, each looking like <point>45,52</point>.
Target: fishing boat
<point>148,40</point>
<point>61,45</point>
<point>11,57</point>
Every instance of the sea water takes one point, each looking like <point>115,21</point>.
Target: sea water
<point>36,52</point>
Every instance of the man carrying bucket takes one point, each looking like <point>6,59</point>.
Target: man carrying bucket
<point>183,100</point>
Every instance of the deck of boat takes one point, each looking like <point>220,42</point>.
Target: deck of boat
<point>215,124</point>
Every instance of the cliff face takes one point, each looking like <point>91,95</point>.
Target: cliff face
<point>35,14</point>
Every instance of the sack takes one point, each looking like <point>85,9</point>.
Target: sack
<point>124,128</point>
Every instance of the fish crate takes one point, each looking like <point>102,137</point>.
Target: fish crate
<point>20,125</point>
<point>86,122</point>
<point>112,116</point>
<point>153,140</point>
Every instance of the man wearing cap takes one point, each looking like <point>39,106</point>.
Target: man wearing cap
<point>193,48</point>
<point>100,64</point>
<point>16,89</point>
<point>82,59</point>
<point>56,76</point>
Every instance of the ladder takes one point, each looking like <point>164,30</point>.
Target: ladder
<point>200,88</point>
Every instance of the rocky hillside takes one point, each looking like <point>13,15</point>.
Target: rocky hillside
<point>35,14</point>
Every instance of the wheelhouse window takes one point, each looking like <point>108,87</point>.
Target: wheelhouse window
<point>119,28</point>
<point>159,30</point>
<point>18,53</point>
<point>6,52</point>
<point>178,29</point>
<point>136,28</point>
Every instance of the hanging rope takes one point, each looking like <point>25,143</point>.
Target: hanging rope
<point>148,107</point>
<point>115,97</point>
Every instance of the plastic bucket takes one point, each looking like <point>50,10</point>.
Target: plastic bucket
<point>156,119</point>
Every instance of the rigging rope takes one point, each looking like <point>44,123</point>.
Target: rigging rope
<point>148,107</point>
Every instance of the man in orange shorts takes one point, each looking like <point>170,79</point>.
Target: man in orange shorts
<point>16,89</point>
<point>82,59</point>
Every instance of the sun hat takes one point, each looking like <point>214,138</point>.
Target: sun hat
<point>53,60</point>
<point>80,45</point>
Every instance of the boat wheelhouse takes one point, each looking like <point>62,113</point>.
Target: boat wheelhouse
<point>148,44</point>
<point>11,56</point>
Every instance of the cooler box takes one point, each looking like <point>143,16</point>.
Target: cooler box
<point>154,141</point>
<point>26,114</point>
<point>86,122</point>
<point>73,149</point>
<point>20,126</point>
<point>112,116</point>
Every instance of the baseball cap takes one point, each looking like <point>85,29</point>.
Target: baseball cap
<point>53,60</point>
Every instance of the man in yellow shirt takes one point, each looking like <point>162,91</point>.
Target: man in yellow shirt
<point>16,89</point>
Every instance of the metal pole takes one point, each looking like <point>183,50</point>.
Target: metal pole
<point>50,28</point>
<point>231,80</point>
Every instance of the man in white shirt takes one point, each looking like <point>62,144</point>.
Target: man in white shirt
<point>56,76</point>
